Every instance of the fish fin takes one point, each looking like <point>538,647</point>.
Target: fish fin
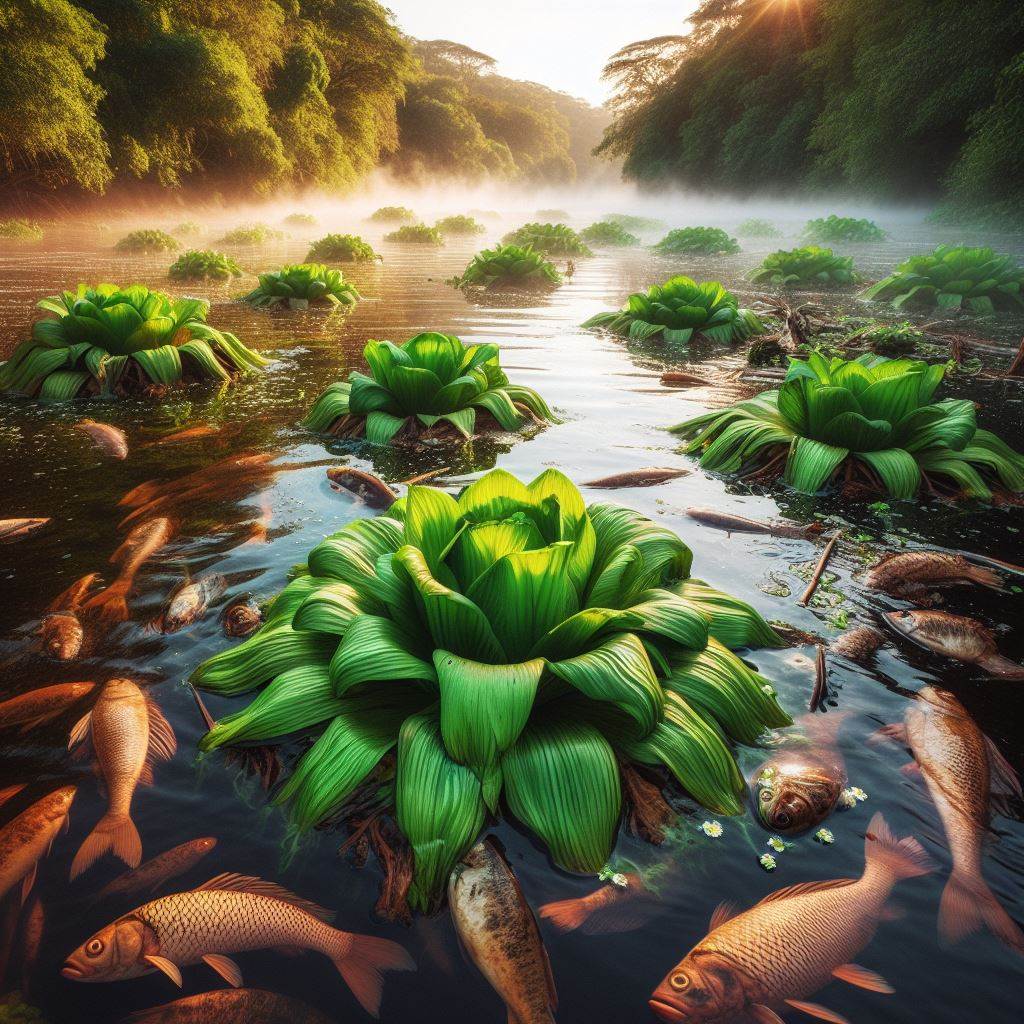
<point>725,911</point>
<point>225,967</point>
<point>1005,782</point>
<point>817,1010</point>
<point>161,963</point>
<point>982,576</point>
<point>997,665</point>
<point>910,770</point>
<point>28,881</point>
<point>109,607</point>
<point>80,731</point>
<point>967,905</point>
<point>41,719</point>
<point>231,882</point>
<point>854,974</point>
<point>566,915</point>
<point>162,742</point>
<point>9,792</point>
<point>891,913</point>
<point>70,600</point>
<point>802,888</point>
<point>762,1014</point>
<point>290,950</point>
<point>113,832</point>
<point>822,728</point>
<point>896,732</point>
<point>146,775</point>
<point>361,962</point>
<point>902,858</point>
<point>618,918</point>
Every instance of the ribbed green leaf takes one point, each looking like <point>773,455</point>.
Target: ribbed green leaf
<point>811,463</point>
<point>374,649</point>
<point>734,623</point>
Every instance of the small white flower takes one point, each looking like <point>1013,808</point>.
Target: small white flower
<point>712,829</point>
<point>767,861</point>
<point>777,844</point>
<point>823,835</point>
<point>619,879</point>
<point>770,690</point>
<point>858,793</point>
<point>847,799</point>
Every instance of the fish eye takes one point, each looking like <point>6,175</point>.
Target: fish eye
<point>94,947</point>
<point>680,982</point>
<point>782,818</point>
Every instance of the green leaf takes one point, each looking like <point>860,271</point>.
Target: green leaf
<point>375,649</point>
<point>734,623</point>
<point>811,464</point>
<point>430,523</point>
<point>897,469</point>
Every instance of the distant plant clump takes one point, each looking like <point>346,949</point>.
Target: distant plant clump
<point>890,340</point>
<point>755,227</point>
<point>632,222</point>
<point>460,224</point>
<point>509,268</point>
<point>251,234</point>
<point>187,227</point>
<point>843,229</point>
<point>148,240</point>
<point>20,228</point>
<point>550,239</point>
<point>679,309</point>
<point>697,242</point>
<point>301,285</point>
<point>340,249</point>
<point>810,265</point>
<point>300,220</point>
<point>554,215</point>
<point>954,277</point>
<point>202,264</point>
<point>393,215</point>
<point>421,234</point>
<point>608,233</point>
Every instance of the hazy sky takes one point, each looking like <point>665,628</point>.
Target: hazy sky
<point>561,43</point>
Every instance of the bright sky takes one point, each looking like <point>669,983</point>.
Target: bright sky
<point>560,43</point>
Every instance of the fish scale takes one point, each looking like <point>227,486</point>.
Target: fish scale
<point>121,737</point>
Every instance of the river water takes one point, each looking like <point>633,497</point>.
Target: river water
<point>614,412</point>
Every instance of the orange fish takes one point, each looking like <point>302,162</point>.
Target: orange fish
<point>110,440</point>
<point>27,838</point>
<point>150,876</point>
<point>612,908</point>
<point>230,1006</point>
<point>185,435</point>
<point>15,529</point>
<point>37,707</point>
<point>957,637</point>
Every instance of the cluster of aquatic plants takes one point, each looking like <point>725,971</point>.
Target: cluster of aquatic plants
<point>393,215</point>
<point>608,232</point>
<point>843,229</point>
<point>340,249</point>
<point>430,383</point>
<point>20,228</point>
<point>679,309</point>
<point>187,227</point>
<point>460,224</point>
<point>871,417</point>
<point>697,242</point>
<point>202,264</point>
<point>954,277</point>
<point>121,340</point>
<point>147,240</point>
<point>509,268</point>
<point>889,339</point>
<point>300,220</point>
<point>516,646</point>
<point>300,285</point>
<point>551,239</point>
<point>809,265</point>
<point>421,234</point>
<point>632,222</point>
<point>553,214</point>
<point>756,227</point>
<point>250,234</point>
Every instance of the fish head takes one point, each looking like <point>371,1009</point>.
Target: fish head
<point>62,635</point>
<point>701,988</point>
<point>791,796</point>
<point>206,844</point>
<point>112,953</point>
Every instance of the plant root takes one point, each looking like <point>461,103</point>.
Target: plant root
<point>649,814</point>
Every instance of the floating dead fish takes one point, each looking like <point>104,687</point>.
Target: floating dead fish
<point>739,524</point>
<point>648,477</point>
<point>148,877</point>
<point>678,379</point>
<point>189,602</point>
<point>128,733</point>
<point>911,574</point>
<point>857,644</point>
<point>15,529</point>
<point>230,1006</point>
<point>498,930</point>
<point>955,636</point>
<point>231,914</point>
<point>370,488</point>
<point>110,440</point>
<point>37,707</point>
<point>27,838</point>
<point>242,616</point>
<point>61,635</point>
<point>792,943</point>
<point>618,906</point>
<point>184,436</point>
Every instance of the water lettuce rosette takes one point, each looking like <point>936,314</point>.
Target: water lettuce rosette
<point>843,229</point>
<point>698,241</point>
<point>509,268</point>
<point>873,420</point>
<point>147,240</point>
<point>417,234</point>
<point>301,285</point>
<point>808,265</point>
<point>431,385</point>
<point>112,340</point>
<point>337,248</point>
<point>515,646</point>
<point>204,264</point>
<point>608,233</point>
<point>550,239</point>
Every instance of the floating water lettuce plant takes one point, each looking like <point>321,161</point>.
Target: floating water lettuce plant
<point>186,228</point>
<point>20,228</point>
<point>341,249</point>
<point>460,224</point>
<point>834,229</point>
<point>393,215</point>
<point>697,242</point>
<point>419,234</point>
<point>301,285</point>
<point>756,227</point>
<point>300,220</point>
<point>608,233</point>
<point>636,224</point>
<point>550,239</point>
<point>509,268</point>
<point>809,265</point>
<point>147,240</point>
<point>202,264</point>
<point>251,234</point>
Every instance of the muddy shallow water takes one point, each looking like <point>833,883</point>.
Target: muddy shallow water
<point>614,413</point>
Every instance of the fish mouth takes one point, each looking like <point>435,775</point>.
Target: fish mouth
<point>69,970</point>
<point>665,1012</point>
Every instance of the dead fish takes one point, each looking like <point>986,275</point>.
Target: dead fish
<point>498,930</point>
<point>857,644</point>
<point>798,787</point>
<point>15,529</point>
<point>914,573</point>
<point>739,524</point>
<point>37,707</point>
<point>110,440</point>
<point>792,943</point>
<point>32,928</point>
<point>128,732</point>
<point>61,635</point>
<point>230,1006</point>
<point>964,772</point>
<point>955,636</point>
<point>678,379</point>
<point>242,617</point>
<point>638,477</point>
<point>9,793</point>
<point>190,601</point>
<point>231,914</point>
<point>613,908</point>
<point>370,488</point>
<point>164,866</point>
<point>185,435</point>
<point>25,839</point>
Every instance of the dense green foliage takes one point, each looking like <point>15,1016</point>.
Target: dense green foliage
<point>550,239</point>
<point>393,215</point>
<point>636,224</point>
<point>608,232</point>
<point>553,214</point>
<point>250,234</point>
<point>19,227</point>
<point>679,309</point>
<point>460,224</point>
<point>186,227</point>
<point>515,645</point>
<point>200,264</point>
<point>340,249</point>
<point>832,229</point>
<point>421,234</point>
<point>697,242</point>
<point>147,240</point>
<point>300,220</point>
<point>889,339</point>
<point>509,268</point>
<point>111,340</point>
<point>871,414</point>
<point>954,277</point>
<point>301,285</point>
<point>756,227</point>
<point>924,98</point>
<point>810,265</point>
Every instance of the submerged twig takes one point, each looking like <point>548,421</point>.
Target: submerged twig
<point>820,686</point>
<point>1016,368</point>
<point>421,477</point>
<point>819,569</point>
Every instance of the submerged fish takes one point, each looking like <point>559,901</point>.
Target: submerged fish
<point>739,524</point>
<point>792,943</point>
<point>963,771</point>
<point>857,644</point>
<point>61,635</point>
<point>612,908</point>
<point>190,601</point>
<point>164,866</point>
<point>25,839</point>
<point>242,617</point>
<point>498,930</point>
<point>370,488</point>
<point>15,529</point>
<point>110,440</point>
<point>230,1006</point>
<point>129,732</point>
<point>37,707</point>
<point>914,573</point>
<point>955,636</point>
<point>638,477</point>
<point>33,924</point>
<point>185,435</point>
<point>231,914</point>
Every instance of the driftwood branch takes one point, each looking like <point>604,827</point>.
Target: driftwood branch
<point>805,598</point>
<point>820,687</point>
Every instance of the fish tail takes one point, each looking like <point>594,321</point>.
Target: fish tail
<point>361,960</point>
<point>110,606</point>
<point>967,905</point>
<point>983,577</point>
<point>113,832</point>
<point>897,858</point>
<point>567,915</point>
<point>997,665</point>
